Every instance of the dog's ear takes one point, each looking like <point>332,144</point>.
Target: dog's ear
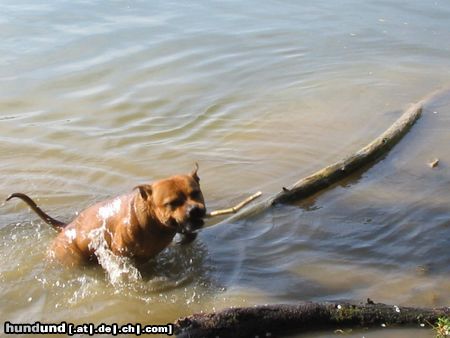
<point>145,190</point>
<point>194,173</point>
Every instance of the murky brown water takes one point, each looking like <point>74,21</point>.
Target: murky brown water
<point>96,98</point>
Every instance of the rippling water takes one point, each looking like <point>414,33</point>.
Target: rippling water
<point>97,97</point>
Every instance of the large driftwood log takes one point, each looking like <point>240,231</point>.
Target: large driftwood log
<point>333,173</point>
<point>274,320</point>
<point>367,155</point>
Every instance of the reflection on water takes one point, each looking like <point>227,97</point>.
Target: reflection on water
<point>95,99</point>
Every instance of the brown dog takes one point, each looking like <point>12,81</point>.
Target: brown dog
<point>139,224</point>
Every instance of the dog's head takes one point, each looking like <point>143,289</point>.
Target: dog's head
<point>176,202</point>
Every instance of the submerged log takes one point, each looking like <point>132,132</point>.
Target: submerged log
<point>273,320</point>
<point>333,173</point>
<point>343,168</point>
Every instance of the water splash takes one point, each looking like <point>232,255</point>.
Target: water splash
<point>120,270</point>
<point>110,209</point>
<point>178,275</point>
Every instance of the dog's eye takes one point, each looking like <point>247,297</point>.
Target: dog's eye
<point>173,204</point>
<point>195,194</point>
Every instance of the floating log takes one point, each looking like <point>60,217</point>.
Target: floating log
<point>333,173</point>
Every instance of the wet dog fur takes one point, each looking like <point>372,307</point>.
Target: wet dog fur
<point>138,225</point>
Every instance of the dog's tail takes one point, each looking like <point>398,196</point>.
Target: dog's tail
<point>46,218</point>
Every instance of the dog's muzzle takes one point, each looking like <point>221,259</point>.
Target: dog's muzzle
<point>195,215</point>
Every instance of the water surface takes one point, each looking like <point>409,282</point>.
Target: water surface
<point>97,97</point>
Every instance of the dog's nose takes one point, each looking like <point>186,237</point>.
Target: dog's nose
<point>196,211</point>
